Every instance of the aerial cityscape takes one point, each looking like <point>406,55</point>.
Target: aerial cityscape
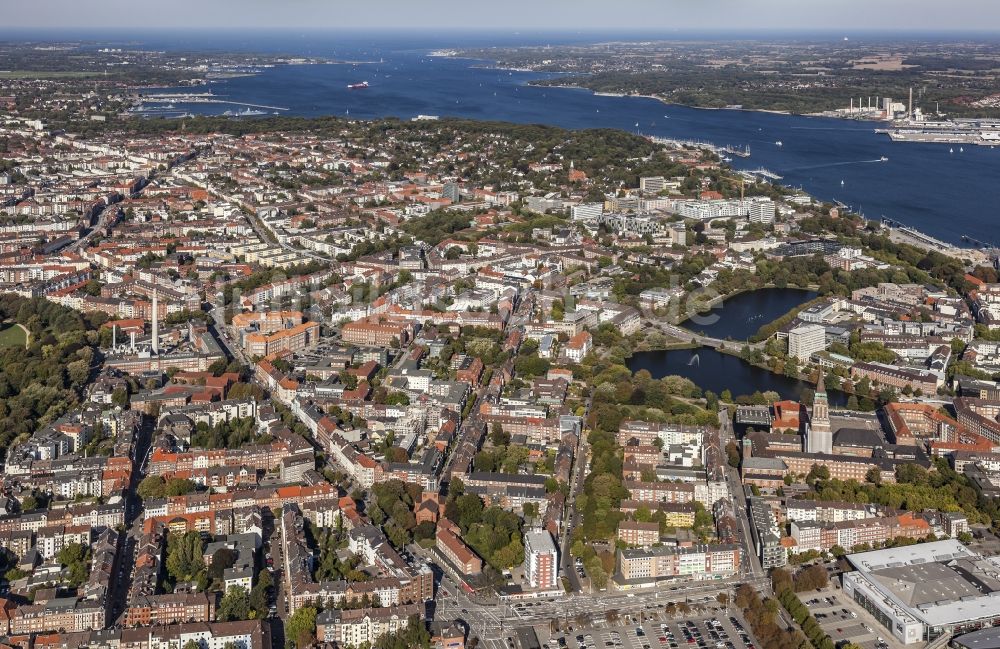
<point>593,325</point>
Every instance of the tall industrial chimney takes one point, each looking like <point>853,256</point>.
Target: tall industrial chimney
<point>156,323</point>
<point>909,111</point>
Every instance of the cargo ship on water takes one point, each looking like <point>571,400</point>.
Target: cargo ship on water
<point>979,132</point>
<point>357,86</point>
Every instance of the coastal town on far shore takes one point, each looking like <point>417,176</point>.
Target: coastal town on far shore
<point>404,383</point>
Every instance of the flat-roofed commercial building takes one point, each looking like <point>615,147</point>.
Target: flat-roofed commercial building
<point>921,592</point>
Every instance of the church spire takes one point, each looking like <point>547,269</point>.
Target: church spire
<point>818,431</point>
<point>819,418</point>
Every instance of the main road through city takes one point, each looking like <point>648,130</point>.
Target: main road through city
<point>739,499</point>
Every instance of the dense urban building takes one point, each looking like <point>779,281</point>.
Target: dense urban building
<point>350,381</point>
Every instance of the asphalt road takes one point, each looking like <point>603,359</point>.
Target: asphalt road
<point>572,520</point>
<point>739,501</point>
<point>262,230</point>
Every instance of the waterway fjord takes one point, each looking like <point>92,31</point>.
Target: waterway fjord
<point>945,191</point>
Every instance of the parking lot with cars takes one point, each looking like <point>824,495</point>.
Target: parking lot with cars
<point>843,619</point>
<point>718,632</point>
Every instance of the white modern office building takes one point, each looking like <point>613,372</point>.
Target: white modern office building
<point>652,184</point>
<point>806,340</point>
<point>586,211</point>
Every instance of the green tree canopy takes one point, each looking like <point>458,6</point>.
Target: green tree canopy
<point>300,629</point>
<point>235,605</point>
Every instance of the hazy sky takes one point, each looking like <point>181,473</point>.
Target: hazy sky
<point>535,15</point>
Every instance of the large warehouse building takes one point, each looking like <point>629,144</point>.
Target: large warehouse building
<point>920,592</point>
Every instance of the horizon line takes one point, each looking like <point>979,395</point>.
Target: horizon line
<point>505,30</point>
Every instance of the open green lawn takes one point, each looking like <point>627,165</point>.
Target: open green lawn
<point>12,336</point>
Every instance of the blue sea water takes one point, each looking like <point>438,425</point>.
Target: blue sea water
<point>926,186</point>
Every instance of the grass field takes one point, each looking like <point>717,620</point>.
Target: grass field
<point>12,336</point>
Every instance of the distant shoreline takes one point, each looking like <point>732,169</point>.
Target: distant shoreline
<point>772,111</point>
<point>600,93</point>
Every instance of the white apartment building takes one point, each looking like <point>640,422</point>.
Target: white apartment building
<point>541,560</point>
<point>762,212</point>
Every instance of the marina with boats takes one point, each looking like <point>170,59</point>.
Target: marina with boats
<point>165,104</point>
<point>729,149</point>
<point>726,153</point>
<point>750,174</point>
